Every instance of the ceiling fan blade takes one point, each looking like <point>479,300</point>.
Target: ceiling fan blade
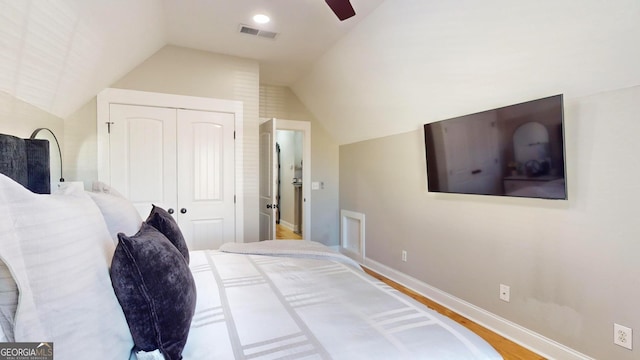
<point>342,8</point>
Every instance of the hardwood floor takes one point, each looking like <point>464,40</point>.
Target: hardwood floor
<point>507,348</point>
<point>283,233</point>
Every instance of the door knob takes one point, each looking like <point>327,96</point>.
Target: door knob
<point>183,211</point>
<point>269,206</point>
<point>170,211</point>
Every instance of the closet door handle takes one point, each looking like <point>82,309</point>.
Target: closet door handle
<point>170,211</point>
<point>183,211</point>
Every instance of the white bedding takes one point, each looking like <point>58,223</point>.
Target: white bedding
<point>272,307</point>
<point>290,248</point>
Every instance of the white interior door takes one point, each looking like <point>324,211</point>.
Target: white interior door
<point>142,155</point>
<point>180,160</point>
<point>137,152</point>
<point>206,190</point>
<point>267,180</point>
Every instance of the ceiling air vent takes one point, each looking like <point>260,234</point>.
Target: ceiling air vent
<point>257,32</point>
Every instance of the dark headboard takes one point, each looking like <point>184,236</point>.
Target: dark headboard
<point>27,162</point>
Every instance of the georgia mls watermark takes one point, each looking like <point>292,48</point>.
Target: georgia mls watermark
<point>26,351</point>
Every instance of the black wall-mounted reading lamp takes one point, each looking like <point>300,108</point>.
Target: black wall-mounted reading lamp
<point>33,136</point>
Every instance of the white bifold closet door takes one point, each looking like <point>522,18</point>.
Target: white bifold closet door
<point>180,160</point>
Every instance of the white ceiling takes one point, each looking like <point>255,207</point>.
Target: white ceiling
<point>306,29</point>
<point>58,54</point>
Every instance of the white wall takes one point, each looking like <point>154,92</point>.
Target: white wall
<point>181,71</point>
<point>572,265</point>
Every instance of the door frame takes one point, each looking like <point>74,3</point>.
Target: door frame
<point>305,128</point>
<point>143,98</point>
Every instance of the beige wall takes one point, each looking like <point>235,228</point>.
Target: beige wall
<point>281,103</point>
<point>20,119</point>
<point>81,144</point>
<point>181,71</point>
<point>572,265</point>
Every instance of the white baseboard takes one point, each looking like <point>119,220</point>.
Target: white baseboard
<point>288,225</point>
<point>529,339</point>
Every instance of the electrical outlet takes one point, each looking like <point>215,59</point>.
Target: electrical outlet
<point>623,336</point>
<point>505,292</point>
<point>404,255</point>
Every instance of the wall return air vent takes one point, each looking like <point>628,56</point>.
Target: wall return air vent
<point>257,32</point>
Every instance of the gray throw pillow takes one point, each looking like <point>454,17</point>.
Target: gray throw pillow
<point>160,219</point>
<point>156,290</point>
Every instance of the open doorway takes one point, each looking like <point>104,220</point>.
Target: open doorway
<point>285,179</point>
<point>289,184</point>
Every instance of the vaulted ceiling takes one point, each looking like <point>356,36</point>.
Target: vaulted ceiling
<point>58,54</point>
<point>394,66</point>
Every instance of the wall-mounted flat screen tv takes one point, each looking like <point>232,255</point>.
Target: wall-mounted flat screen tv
<point>515,150</point>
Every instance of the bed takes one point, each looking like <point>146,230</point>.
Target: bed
<point>82,271</point>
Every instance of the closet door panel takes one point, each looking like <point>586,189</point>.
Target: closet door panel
<point>208,161</point>
<point>143,155</point>
<point>146,160</point>
<point>206,186</point>
<point>207,234</point>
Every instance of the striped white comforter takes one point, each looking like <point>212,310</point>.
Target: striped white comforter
<point>281,307</point>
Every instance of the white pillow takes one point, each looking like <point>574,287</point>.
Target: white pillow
<point>58,249</point>
<point>100,187</point>
<point>8,303</point>
<point>118,213</point>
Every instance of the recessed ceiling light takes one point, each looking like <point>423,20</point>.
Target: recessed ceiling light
<point>261,18</point>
